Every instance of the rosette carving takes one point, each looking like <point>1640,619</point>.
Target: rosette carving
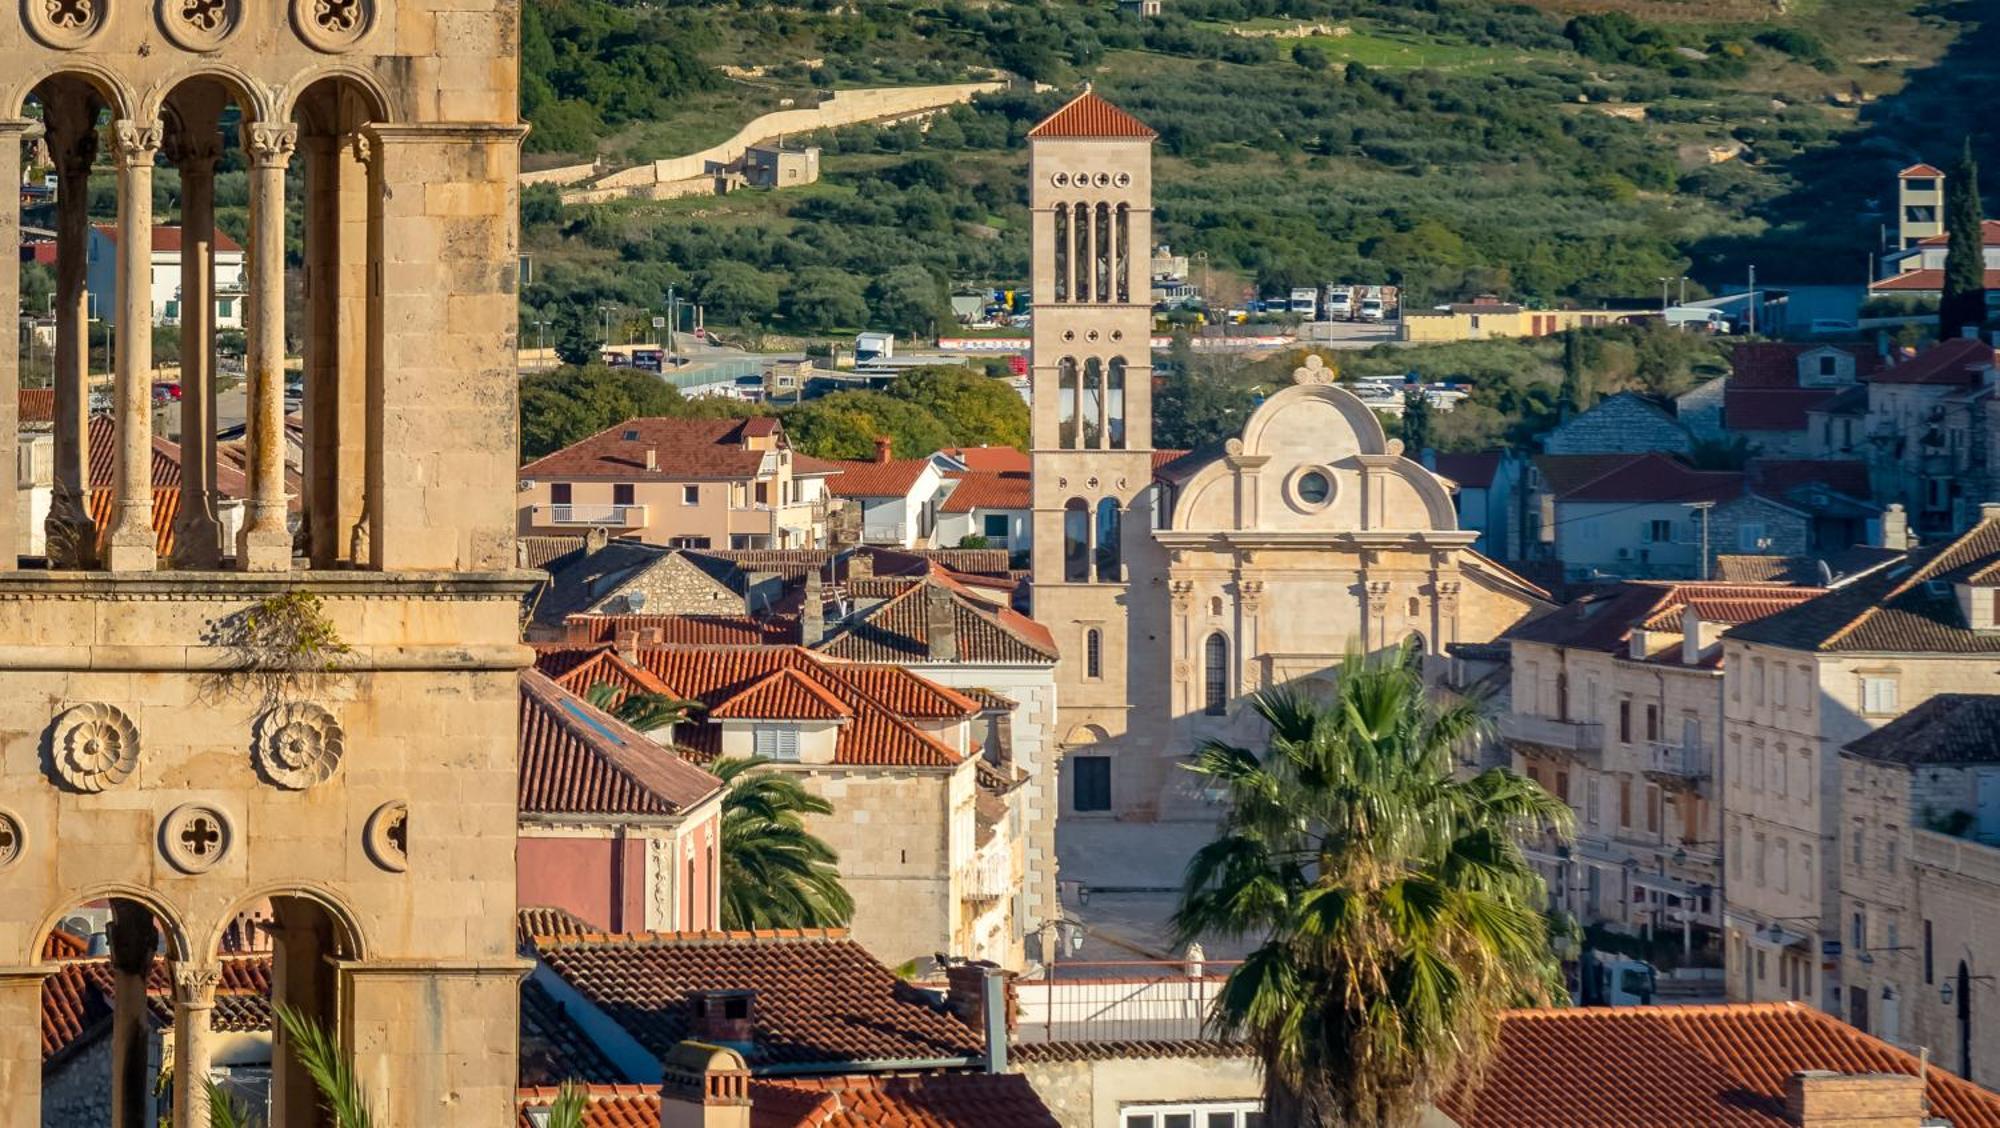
<point>64,24</point>
<point>332,25</point>
<point>299,745</point>
<point>94,746</point>
<point>387,836</point>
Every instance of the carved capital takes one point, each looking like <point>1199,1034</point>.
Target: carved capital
<point>1182,594</point>
<point>194,984</point>
<point>269,145</point>
<point>1251,592</point>
<point>1378,596</point>
<point>364,147</point>
<point>138,142</point>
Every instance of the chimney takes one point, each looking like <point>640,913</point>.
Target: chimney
<point>812,614</point>
<point>704,1086</point>
<point>940,623</point>
<point>1639,644</point>
<point>724,1016</point>
<point>1895,528</point>
<point>1819,1099</point>
<point>595,538</point>
<point>1989,511</point>
<point>1690,638</point>
<point>652,458</point>
<point>652,636</point>
<point>981,993</point>
<point>860,565</point>
<point>882,448</point>
<point>626,642</point>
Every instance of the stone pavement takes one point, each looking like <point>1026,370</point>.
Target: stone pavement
<point>1122,880</point>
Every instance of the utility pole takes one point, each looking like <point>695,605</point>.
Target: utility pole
<point>672,309</point>
<point>1751,297</point>
<point>1663,294</point>
<point>1702,507</point>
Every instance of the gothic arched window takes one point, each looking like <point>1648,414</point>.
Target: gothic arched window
<point>1076,541</point>
<point>1110,565</point>
<point>1215,675</point>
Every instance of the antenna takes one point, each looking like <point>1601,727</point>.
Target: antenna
<point>1825,574</point>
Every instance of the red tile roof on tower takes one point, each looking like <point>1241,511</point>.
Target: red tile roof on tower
<point>878,733</point>
<point>1089,116</point>
<point>682,449</point>
<point>1959,362</point>
<point>577,759</point>
<point>977,490</point>
<point>821,999</point>
<point>1674,1067</point>
<point>1920,169</point>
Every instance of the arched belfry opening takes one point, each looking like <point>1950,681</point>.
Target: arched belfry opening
<point>261,588</point>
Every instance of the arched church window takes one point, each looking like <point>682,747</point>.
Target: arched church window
<point>1122,268</point>
<point>1062,253</point>
<point>1076,541</point>
<point>1114,403</point>
<point>1416,607</point>
<point>1215,606</point>
<point>1081,229</point>
<point>1103,261</point>
<point>1110,565</point>
<point>1066,396</point>
<point>1215,675</point>
<point>1092,393</point>
<point>1093,653</point>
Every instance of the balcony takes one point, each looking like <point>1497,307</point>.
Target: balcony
<point>1674,765</point>
<point>990,876</point>
<point>1139,1001</point>
<point>1573,738</point>
<point>591,516</point>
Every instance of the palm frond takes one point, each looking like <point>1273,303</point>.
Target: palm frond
<point>568,1109</point>
<point>224,1110</point>
<point>331,1071</point>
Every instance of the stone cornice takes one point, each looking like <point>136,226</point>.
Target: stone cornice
<point>221,587</point>
<point>1307,540</point>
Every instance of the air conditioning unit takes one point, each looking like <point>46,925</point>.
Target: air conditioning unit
<point>1624,554</point>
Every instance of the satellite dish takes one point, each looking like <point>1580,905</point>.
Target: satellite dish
<point>635,602</point>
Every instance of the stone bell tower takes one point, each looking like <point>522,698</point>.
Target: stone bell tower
<point>1092,429</point>
<point>255,690</point>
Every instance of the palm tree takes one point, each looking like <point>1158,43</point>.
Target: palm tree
<point>774,873</point>
<point>1396,913</point>
<point>647,712</point>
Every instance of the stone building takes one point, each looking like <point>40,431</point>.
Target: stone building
<point>1920,880</point>
<point>1171,585</point>
<point>163,756</point>
<point>1927,434</point>
<point>1616,709</point>
<point>1799,686</point>
<point>1625,423</point>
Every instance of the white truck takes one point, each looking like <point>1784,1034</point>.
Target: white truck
<point>1375,303</point>
<point>1612,980</point>
<point>1339,302</point>
<point>1304,302</point>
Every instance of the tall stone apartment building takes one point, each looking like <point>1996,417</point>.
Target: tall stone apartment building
<point>1617,710</point>
<point>1799,686</point>
<point>1172,585</point>
<point>167,762</point>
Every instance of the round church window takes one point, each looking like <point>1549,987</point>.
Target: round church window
<point>1314,489</point>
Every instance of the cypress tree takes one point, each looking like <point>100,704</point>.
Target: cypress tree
<point>1964,300</point>
<point>1575,395</point>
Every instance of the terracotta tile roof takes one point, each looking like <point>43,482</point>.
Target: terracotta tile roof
<point>1089,116</point>
<point>1562,473</point>
<point>990,459</point>
<point>1958,362</point>
<point>1989,233</point>
<point>167,240</point>
<point>1474,471</point>
<point>576,759</point>
<point>1126,1051</point>
<point>990,701</point>
<point>1657,478</point>
<point>607,1106</point>
<point>874,1100</point>
<point>37,405</point>
<point>63,945</point>
<point>103,439</point>
<point>907,694</point>
<point>783,694</point>
<point>821,1000</point>
<point>1920,170</point>
<point>1671,1067</point>
<point>898,629</point>
<point>531,921</point>
<point>76,1000</point>
<point>683,449</point>
<point>541,551</point>
<point>963,562</point>
<point>166,506</point>
<point>877,735</point>
<point>603,666</point>
<point>1775,364</point>
<point>1771,409</point>
<point>1776,477</point>
<point>554,1049</point>
<point>1604,620</point>
<point>1951,728</point>
<point>1845,565</point>
<point>1923,281</point>
<point>894,478</point>
<point>590,628</point>
<point>1894,610</point>
<point>988,491</point>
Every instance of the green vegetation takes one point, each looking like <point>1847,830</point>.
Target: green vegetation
<point>775,874</point>
<point>1394,912</point>
<point>1964,299</point>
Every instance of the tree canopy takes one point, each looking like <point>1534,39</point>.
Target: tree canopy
<point>1964,300</point>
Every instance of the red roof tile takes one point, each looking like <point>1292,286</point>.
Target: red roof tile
<point>894,478</point>
<point>1474,470</point>
<point>934,1100</point>
<point>1776,477</point>
<point>38,405</point>
<point>1989,235</point>
<point>577,759</point>
<point>1605,620</point>
<point>683,449</point>
<point>1959,362</point>
<point>784,694</point>
<point>554,1049</point>
<point>607,1106</point>
<point>990,459</point>
<point>589,628</point>
<point>1658,478</point>
<point>1562,473</point>
<point>1089,116</point>
<point>1671,1067</point>
<point>988,491</point>
<point>1895,609</point>
<point>166,505</point>
<point>167,240</point>
<point>1923,281</point>
<point>898,628</point>
<point>1770,409</point>
<point>76,1000</point>
<point>821,999</point>
<point>1775,364</point>
<point>1920,169</point>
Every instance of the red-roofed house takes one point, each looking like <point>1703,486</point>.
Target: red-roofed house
<point>894,500</point>
<point>993,506</point>
<point>923,823</point>
<point>689,483</point>
<point>616,828</point>
<point>101,276</point>
<point>1487,498</point>
<point>1927,433</point>
<point>1773,387</point>
<point>1617,709</point>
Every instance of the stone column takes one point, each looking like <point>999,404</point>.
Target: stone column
<point>21,1045</point>
<point>265,544</point>
<point>72,535</point>
<point>338,341</point>
<point>194,1002</point>
<point>132,545</point>
<point>12,132</point>
<point>133,940</point>
<point>195,149</point>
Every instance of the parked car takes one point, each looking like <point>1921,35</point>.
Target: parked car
<point>1832,327</point>
<point>166,391</point>
<point>100,401</point>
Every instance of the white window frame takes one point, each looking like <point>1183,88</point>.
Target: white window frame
<point>777,743</point>
<point>691,494</point>
<point>1878,695</point>
<point>1197,1112</point>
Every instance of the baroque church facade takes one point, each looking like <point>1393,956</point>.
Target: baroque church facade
<point>1178,584</point>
